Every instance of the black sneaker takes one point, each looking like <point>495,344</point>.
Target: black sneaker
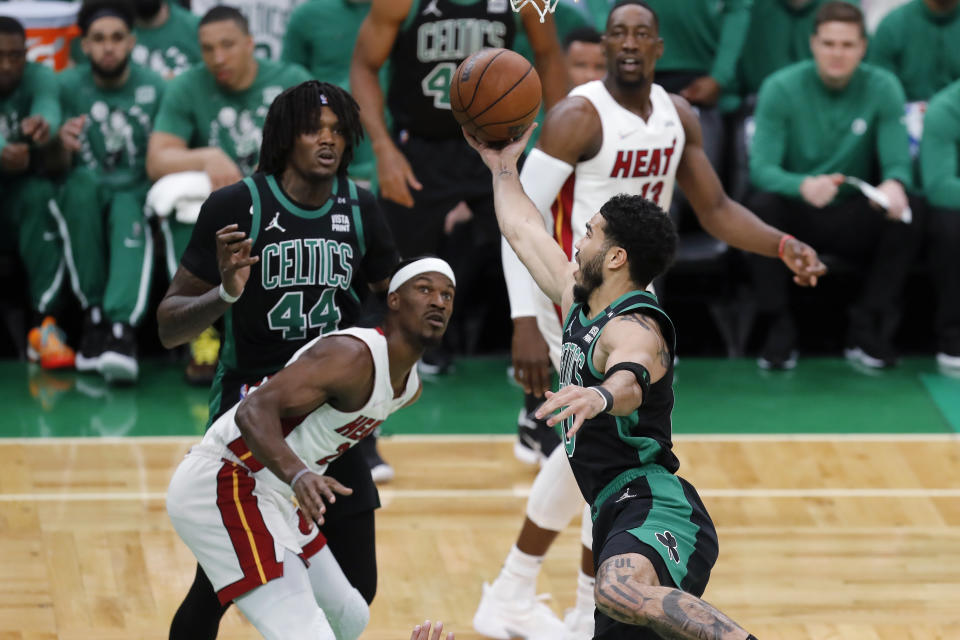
<point>93,341</point>
<point>778,352</point>
<point>380,471</point>
<point>118,363</point>
<point>535,440</point>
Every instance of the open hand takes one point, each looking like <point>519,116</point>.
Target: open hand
<point>234,259</point>
<point>579,403</point>
<point>497,158</point>
<point>395,175</point>
<point>312,489</point>
<point>422,632</point>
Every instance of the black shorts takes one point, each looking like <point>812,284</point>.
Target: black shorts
<point>450,171</point>
<point>660,516</point>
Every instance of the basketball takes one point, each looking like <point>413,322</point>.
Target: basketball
<point>495,95</point>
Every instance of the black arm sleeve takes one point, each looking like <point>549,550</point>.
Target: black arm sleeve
<point>381,257</point>
<point>229,205</point>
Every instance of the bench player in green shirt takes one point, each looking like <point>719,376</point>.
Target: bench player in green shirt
<point>211,120</point>
<point>166,38</point>
<point>29,114</point>
<point>940,172</point>
<point>108,109</point>
<point>818,123</point>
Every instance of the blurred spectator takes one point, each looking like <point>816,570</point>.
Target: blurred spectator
<point>211,120</point>
<point>434,190</point>
<point>705,41</point>
<point>816,123</point>
<point>108,109</point>
<point>166,38</point>
<point>940,171</point>
<point>268,20</point>
<point>584,58</point>
<point>779,35</point>
<point>29,112</point>
<point>320,38</point>
<point>920,43</point>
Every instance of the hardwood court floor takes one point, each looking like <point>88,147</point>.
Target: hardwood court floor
<point>820,537</point>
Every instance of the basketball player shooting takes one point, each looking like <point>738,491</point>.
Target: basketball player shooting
<point>653,541</point>
<point>230,500</point>
<point>621,134</point>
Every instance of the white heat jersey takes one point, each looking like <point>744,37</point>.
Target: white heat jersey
<point>324,434</point>
<point>636,157</point>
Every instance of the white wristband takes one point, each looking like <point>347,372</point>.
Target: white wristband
<point>226,297</point>
<point>300,474</point>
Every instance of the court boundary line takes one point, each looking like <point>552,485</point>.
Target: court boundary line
<point>520,492</point>
<point>496,438</point>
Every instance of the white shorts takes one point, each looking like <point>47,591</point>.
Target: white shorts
<point>236,527</point>
<point>549,322</point>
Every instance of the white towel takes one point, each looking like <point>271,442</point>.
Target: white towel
<point>181,194</point>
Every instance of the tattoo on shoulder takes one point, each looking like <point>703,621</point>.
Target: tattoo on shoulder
<point>662,352</point>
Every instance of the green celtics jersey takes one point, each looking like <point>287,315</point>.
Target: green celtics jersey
<point>606,445</point>
<point>35,95</point>
<point>118,123</point>
<point>197,110</point>
<point>171,48</point>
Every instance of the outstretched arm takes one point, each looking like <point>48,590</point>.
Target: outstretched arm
<point>730,221</point>
<point>630,338</point>
<point>521,223</point>
<point>337,370</point>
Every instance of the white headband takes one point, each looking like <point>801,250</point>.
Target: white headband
<point>414,269</point>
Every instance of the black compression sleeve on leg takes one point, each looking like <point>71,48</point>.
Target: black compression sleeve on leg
<point>198,617</point>
<point>352,540</point>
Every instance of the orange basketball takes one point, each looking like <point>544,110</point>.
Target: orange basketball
<point>495,94</point>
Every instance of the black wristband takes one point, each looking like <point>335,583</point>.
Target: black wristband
<point>639,372</point>
<point>604,393</point>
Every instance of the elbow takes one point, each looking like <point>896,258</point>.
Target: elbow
<point>165,324</point>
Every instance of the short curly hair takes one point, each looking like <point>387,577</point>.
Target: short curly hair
<point>644,231</point>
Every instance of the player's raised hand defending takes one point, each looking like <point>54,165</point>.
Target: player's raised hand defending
<point>312,489</point>
<point>803,261</point>
<point>580,403</point>
<point>395,175</point>
<point>36,128</point>
<point>234,259</point>
<point>422,632</point>
<point>71,131</point>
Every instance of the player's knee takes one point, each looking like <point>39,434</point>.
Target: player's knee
<point>351,617</point>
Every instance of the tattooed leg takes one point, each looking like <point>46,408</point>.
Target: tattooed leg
<point>628,591</point>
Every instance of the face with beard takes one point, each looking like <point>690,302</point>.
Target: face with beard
<point>591,252</point>
<point>108,44</point>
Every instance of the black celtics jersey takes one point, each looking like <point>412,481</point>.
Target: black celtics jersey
<point>607,445</point>
<point>435,38</point>
<point>313,270</point>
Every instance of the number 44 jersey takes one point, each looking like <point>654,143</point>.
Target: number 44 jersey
<point>314,267</point>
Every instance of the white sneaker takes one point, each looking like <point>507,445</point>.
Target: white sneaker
<point>382,473</point>
<point>579,624</point>
<point>504,619</point>
<point>948,361</point>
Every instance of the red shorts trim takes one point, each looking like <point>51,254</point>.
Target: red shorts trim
<point>251,539</point>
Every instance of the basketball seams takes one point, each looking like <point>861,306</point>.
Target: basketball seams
<point>476,85</point>
<point>504,94</point>
<point>516,119</point>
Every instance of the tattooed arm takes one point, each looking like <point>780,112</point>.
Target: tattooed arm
<point>628,591</point>
<point>628,338</point>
